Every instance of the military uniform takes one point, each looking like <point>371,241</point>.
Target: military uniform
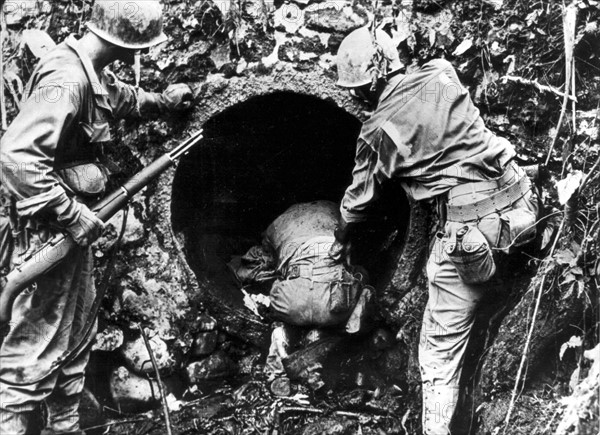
<point>51,161</point>
<point>427,132</point>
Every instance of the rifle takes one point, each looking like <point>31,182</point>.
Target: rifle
<point>56,249</point>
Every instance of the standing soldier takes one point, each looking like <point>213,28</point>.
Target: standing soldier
<point>426,132</point>
<point>51,159</point>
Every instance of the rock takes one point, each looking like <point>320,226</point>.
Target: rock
<point>288,17</point>
<point>138,359</point>
<point>134,229</point>
<point>220,55</point>
<point>298,364</point>
<point>393,364</point>
<point>216,366</point>
<point>132,393</point>
<point>205,343</point>
<point>281,387</point>
<point>109,339</point>
<point>90,410</point>
<point>330,18</point>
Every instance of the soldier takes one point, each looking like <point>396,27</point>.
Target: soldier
<point>52,166</point>
<point>426,132</point>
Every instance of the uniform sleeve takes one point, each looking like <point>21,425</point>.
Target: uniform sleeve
<point>127,101</point>
<point>373,165</point>
<point>28,148</point>
<point>364,190</point>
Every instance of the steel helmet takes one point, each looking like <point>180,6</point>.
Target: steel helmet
<point>357,55</point>
<point>135,25</point>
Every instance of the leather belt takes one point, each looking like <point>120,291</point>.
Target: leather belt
<point>496,202</point>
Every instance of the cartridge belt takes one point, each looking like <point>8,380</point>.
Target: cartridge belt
<point>496,202</point>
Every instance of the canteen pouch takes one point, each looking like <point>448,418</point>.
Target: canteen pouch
<point>344,293</point>
<point>86,180</point>
<point>470,254</point>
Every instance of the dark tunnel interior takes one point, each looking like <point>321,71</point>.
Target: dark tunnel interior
<point>260,157</point>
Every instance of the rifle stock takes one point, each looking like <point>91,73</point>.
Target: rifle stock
<point>56,249</point>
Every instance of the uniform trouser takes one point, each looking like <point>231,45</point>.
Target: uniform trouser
<point>447,323</point>
<point>47,321</point>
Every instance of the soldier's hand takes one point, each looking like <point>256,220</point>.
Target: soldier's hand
<point>338,251</point>
<point>87,228</point>
<point>178,97</point>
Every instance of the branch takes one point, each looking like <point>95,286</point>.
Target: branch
<point>569,21</point>
<point>4,124</point>
<point>160,384</point>
<point>538,86</point>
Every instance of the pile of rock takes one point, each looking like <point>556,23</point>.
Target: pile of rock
<point>133,381</point>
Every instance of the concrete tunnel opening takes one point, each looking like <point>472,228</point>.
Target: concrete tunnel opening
<point>260,157</point>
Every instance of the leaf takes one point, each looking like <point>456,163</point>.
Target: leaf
<point>569,292</point>
<point>568,186</point>
<point>532,17</point>
<point>403,27</point>
<point>578,271</point>
<point>574,341</point>
<point>569,277</point>
<point>250,304</point>
<point>574,381</point>
<point>432,35</point>
<point>564,256</point>
<point>463,47</point>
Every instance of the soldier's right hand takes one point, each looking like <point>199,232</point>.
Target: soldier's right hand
<point>87,228</point>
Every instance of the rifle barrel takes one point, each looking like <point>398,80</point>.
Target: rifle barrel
<point>107,208</point>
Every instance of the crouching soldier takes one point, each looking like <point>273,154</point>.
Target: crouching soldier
<point>310,291</point>
<point>426,132</point>
<point>51,160</point>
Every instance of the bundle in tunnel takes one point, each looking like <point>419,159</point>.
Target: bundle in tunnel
<point>311,290</point>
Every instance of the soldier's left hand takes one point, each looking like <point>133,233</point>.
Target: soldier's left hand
<point>178,97</point>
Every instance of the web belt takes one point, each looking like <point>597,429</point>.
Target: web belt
<point>510,176</point>
<point>494,203</point>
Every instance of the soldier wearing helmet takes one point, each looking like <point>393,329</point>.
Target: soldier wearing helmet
<point>426,132</point>
<point>53,166</point>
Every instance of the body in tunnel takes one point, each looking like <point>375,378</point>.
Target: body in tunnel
<point>260,157</point>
